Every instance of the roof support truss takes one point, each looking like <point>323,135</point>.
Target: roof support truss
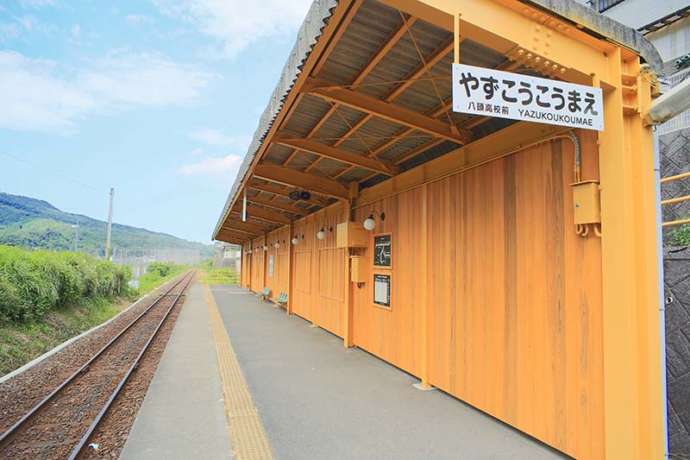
<point>385,110</point>
<point>338,154</point>
<point>300,179</point>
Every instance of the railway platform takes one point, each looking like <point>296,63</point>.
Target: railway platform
<point>298,390</point>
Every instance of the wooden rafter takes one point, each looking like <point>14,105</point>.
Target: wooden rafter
<point>268,215</point>
<point>434,59</point>
<point>375,59</point>
<point>437,112</point>
<point>300,179</point>
<point>230,235</point>
<point>278,190</point>
<point>343,156</point>
<point>245,227</point>
<point>393,113</point>
<point>291,208</point>
<point>347,19</point>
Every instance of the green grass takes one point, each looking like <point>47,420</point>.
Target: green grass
<point>210,275</point>
<point>47,297</point>
<point>20,343</point>
<point>157,274</point>
<point>33,283</point>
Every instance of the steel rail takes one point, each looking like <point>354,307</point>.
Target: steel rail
<point>82,369</point>
<point>85,437</point>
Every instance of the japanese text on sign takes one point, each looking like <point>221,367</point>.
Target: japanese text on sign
<point>495,93</point>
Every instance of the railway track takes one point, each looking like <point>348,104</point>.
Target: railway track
<point>61,423</point>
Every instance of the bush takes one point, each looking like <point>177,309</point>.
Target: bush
<point>162,269</point>
<point>34,282</point>
<point>681,236</point>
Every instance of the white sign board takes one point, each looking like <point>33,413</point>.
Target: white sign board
<point>270,266</point>
<point>494,93</point>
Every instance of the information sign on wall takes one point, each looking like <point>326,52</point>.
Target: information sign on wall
<point>271,263</point>
<point>382,290</point>
<point>495,93</point>
<point>382,250</point>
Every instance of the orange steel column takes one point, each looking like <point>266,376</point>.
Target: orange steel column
<point>633,410</point>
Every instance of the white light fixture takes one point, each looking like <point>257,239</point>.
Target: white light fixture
<point>277,245</point>
<point>295,241</point>
<point>265,248</point>
<point>321,234</point>
<point>369,223</point>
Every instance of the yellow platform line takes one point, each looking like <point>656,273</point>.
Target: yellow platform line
<point>247,434</point>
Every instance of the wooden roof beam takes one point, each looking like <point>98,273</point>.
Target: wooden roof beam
<point>386,110</point>
<point>245,227</point>
<point>277,190</point>
<point>280,206</point>
<point>342,156</point>
<point>302,180</point>
<point>373,62</point>
<point>264,214</point>
<point>234,235</point>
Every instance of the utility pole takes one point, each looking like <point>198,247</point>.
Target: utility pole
<point>76,235</point>
<point>110,225</point>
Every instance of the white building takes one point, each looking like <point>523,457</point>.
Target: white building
<point>666,23</point>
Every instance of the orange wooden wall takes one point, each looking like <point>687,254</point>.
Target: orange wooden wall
<point>319,279</point>
<point>245,268</point>
<point>278,281</point>
<point>257,265</point>
<point>514,295</point>
<point>393,334</point>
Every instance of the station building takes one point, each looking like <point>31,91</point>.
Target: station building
<point>509,263</point>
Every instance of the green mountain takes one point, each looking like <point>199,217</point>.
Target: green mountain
<point>33,223</point>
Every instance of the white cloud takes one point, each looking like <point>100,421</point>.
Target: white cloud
<point>236,24</point>
<point>224,167</point>
<point>41,95</point>
<point>217,138</point>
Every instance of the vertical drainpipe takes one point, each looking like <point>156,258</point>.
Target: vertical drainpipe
<point>662,297</point>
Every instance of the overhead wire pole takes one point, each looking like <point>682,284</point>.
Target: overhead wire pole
<point>110,225</point>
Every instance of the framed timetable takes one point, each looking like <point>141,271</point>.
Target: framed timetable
<point>382,250</point>
<point>382,290</point>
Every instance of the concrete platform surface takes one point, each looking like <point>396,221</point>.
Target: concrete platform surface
<point>182,416</point>
<point>318,400</point>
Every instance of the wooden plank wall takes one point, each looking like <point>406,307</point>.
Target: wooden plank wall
<point>278,280</point>
<point>319,270</point>
<point>245,269</point>
<point>257,265</point>
<point>393,334</point>
<point>514,310</point>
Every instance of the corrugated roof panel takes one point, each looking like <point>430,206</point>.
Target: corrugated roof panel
<point>405,145</point>
<point>328,167</point>
<point>337,124</point>
<point>371,26</point>
<point>301,160</point>
<point>370,135</point>
<point>277,154</point>
<point>309,111</point>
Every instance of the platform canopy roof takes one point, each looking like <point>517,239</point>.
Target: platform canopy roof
<point>366,94</point>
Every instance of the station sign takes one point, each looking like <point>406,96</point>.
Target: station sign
<point>495,93</point>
